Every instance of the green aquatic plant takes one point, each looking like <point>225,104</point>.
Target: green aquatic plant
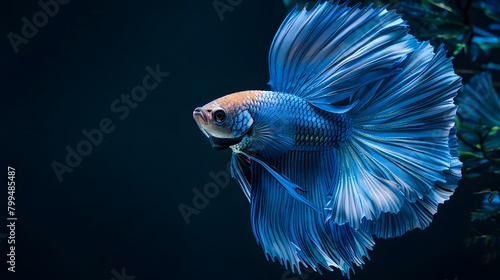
<point>491,8</point>
<point>478,126</point>
<point>479,133</point>
<point>479,154</point>
<point>440,22</point>
<point>488,239</point>
<point>459,25</point>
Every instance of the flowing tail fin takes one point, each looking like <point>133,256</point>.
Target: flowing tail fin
<point>401,160</point>
<point>403,145</point>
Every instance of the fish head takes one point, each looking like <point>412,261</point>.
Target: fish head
<point>225,121</point>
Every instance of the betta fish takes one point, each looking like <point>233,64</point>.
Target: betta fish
<point>354,140</point>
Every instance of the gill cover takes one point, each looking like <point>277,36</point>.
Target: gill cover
<point>237,122</point>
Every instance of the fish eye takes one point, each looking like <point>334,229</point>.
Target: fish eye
<point>219,115</point>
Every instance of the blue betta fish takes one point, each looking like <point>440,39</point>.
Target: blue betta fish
<point>355,139</point>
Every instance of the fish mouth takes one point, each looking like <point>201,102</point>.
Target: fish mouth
<point>200,115</point>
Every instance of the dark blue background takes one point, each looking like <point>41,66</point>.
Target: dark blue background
<point>119,207</point>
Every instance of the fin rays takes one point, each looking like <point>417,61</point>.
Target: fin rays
<point>291,231</point>
<point>389,177</point>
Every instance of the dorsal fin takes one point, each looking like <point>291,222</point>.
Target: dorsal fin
<point>329,53</point>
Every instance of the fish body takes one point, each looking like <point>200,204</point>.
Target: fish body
<point>355,139</point>
<point>303,126</point>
